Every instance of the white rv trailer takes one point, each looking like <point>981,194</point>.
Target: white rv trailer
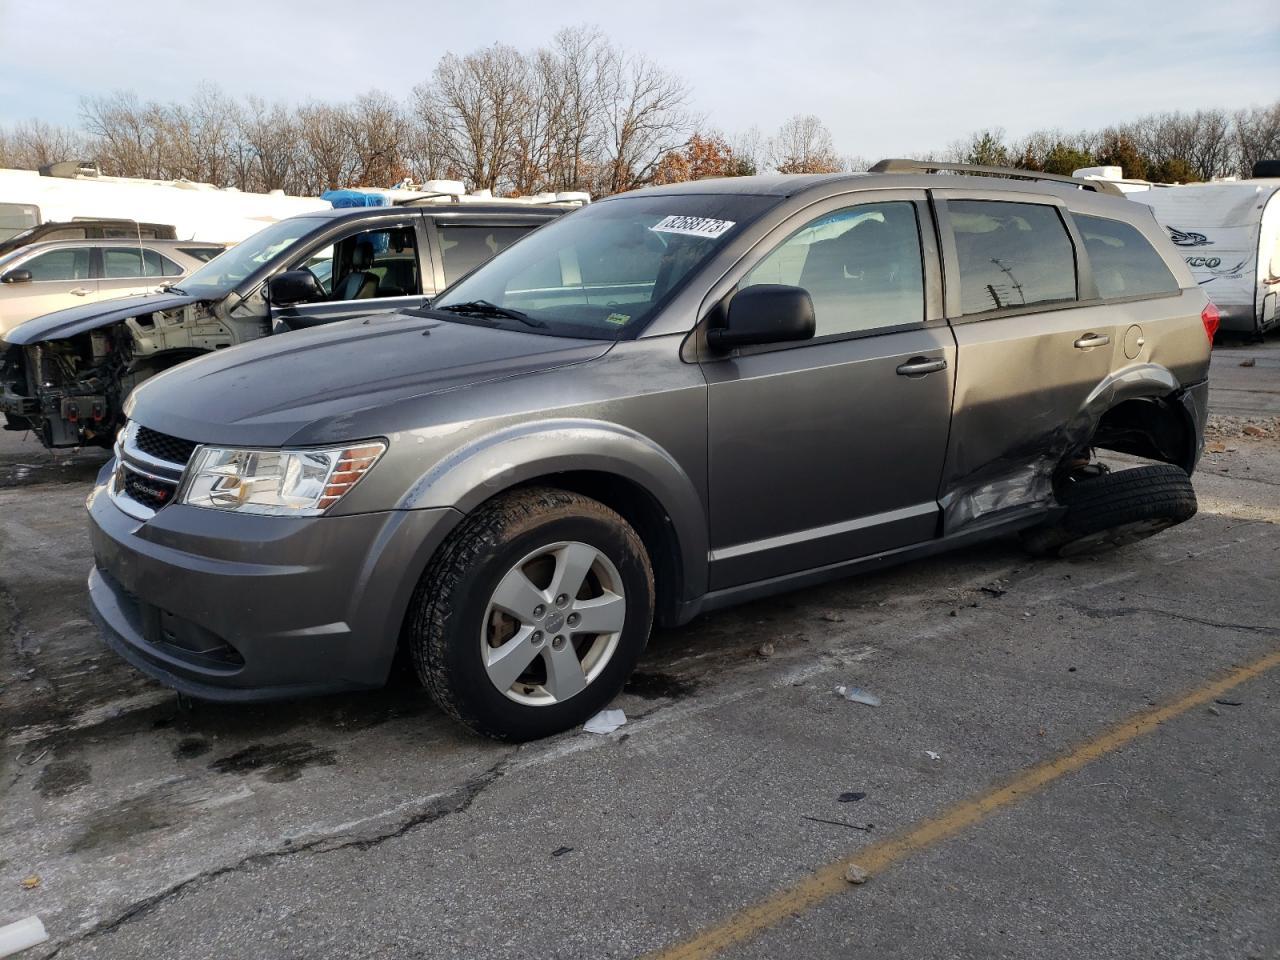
<point>1229,232</point>
<point>197,211</point>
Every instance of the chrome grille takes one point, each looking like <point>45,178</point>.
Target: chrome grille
<point>148,471</point>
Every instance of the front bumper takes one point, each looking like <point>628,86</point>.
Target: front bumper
<point>224,606</point>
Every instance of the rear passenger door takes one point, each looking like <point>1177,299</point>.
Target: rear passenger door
<point>128,271</point>
<point>829,449</point>
<point>1033,344</point>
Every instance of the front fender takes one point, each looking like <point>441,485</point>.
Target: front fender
<point>522,453</point>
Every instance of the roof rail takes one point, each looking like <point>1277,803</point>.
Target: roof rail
<point>929,166</point>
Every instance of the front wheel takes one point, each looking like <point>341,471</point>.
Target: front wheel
<point>532,615</point>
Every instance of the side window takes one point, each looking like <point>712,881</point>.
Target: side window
<point>862,267</point>
<point>1123,260</point>
<point>60,265</point>
<point>120,263</point>
<point>159,266</point>
<point>367,265</point>
<point>1011,255</point>
<point>463,247</point>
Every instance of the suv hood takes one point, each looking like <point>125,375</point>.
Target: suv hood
<point>89,316</point>
<point>265,392</point>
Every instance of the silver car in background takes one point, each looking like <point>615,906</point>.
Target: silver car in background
<point>51,275</point>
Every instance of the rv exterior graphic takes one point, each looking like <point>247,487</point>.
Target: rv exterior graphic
<point>1229,235</point>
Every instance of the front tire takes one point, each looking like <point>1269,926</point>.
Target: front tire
<point>532,615</point>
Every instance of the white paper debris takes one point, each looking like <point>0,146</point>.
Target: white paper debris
<point>933,756</point>
<point>20,935</point>
<point>606,721</point>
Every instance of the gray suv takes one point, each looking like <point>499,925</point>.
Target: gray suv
<point>668,402</point>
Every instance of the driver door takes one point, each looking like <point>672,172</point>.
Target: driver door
<point>368,268</point>
<point>830,449</point>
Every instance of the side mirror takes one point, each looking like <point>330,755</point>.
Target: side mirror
<point>765,313</point>
<point>294,286</point>
<point>16,276</point>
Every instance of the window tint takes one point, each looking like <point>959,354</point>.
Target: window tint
<point>1123,260</point>
<point>119,263</point>
<point>464,247</point>
<point>1011,255</point>
<point>861,266</point>
<point>60,265</point>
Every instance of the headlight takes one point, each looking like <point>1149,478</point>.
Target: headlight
<point>293,483</point>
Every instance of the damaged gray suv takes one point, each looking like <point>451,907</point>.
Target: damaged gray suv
<point>668,402</point>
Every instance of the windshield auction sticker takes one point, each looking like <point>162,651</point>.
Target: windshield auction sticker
<point>694,226</point>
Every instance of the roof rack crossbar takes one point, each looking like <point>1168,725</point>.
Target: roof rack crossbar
<point>1013,173</point>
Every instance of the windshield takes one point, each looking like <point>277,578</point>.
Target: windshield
<point>223,272</point>
<point>603,271</point>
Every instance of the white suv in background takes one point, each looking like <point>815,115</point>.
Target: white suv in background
<point>43,277</point>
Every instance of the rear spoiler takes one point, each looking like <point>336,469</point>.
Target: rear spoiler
<point>933,166</point>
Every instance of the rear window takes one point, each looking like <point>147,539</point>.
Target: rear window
<point>1123,260</point>
<point>463,247</point>
<point>1011,255</point>
<point>203,254</point>
<point>16,218</point>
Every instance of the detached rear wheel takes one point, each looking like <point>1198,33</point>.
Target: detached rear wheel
<point>1109,510</point>
<point>533,614</point>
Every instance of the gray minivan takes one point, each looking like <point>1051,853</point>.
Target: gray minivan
<point>670,401</point>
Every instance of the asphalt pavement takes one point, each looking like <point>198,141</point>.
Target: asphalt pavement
<point>1070,759</point>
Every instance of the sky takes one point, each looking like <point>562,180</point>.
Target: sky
<point>887,78</point>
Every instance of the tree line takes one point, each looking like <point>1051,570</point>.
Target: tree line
<point>580,113</point>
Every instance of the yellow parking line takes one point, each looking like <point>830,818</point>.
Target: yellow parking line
<point>829,880</point>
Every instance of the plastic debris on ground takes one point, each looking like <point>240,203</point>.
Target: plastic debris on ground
<point>20,935</point>
<point>933,756</point>
<point>858,695</point>
<point>31,882</point>
<point>856,874</point>
<point>853,796</point>
<point>606,721</point>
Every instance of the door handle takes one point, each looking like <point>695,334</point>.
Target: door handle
<point>81,291</point>
<point>919,366</point>
<point>1092,340</point>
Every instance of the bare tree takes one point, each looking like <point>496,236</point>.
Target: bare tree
<point>475,106</point>
<point>1257,136</point>
<point>34,144</point>
<point>803,145</point>
<point>644,113</point>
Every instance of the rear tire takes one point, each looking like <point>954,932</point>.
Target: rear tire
<point>1110,510</point>
<point>496,585</point>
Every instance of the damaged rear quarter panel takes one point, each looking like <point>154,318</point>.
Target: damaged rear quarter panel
<point>1026,396</point>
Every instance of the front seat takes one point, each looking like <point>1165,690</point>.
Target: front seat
<point>359,284</point>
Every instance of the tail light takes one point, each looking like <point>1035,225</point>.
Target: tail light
<point>1210,317</point>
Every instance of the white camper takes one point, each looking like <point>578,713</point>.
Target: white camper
<point>197,211</point>
<point>1229,234</point>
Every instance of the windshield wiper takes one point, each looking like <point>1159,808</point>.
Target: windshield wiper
<point>173,288</point>
<point>485,308</point>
